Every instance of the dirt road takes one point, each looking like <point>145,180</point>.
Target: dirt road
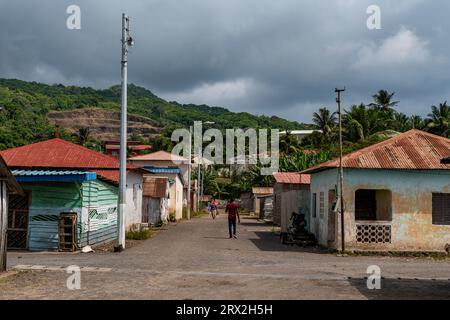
<point>196,260</point>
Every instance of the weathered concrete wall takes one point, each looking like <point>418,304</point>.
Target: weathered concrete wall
<point>411,192</point>
<point>289,198</point>
<point>134,199</point>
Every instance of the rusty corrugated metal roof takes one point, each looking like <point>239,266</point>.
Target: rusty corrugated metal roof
<point>292,178</point>
<point>412,150</point>
<point>155,187</point>
<point>59,153</point>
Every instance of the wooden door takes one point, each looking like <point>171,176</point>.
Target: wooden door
<point>145,208</point>
<point>154,210</point>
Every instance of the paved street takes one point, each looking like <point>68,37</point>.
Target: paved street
<point>196,260</point>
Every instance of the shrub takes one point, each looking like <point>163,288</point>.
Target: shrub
<point>138,235</point>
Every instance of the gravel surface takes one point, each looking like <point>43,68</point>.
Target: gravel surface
<point>196,260</point>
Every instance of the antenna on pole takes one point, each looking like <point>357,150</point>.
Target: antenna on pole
<point>341,169</point>
<point>127,42</point>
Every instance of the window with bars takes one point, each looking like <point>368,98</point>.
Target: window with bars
<point>321,204</point>
<point>441,208</point>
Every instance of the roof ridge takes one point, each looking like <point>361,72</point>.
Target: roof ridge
<point>30,144</point>
<point>80,152</point>
<point>381,144</point>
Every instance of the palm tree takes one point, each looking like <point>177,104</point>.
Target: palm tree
<point>439,119</point>
<point>383,100</point>
<point>82,136</point>
<point>356,122</point>
<point>401,122</point>
<point>288,144</point>
<point>417,122</point>
<point>325,120</point>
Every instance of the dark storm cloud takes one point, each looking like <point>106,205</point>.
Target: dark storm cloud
<point>267,57</point>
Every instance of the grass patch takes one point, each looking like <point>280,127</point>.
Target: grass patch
<point>198,214</point>
<point>138,235</point>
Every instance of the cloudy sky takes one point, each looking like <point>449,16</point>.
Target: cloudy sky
<point>281,57</point>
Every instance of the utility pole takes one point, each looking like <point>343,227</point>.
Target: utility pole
<point>3,224</point>
<point>127,42</point>
<point>189,175</point>
<point>341,170</point>
<point>199,174</point>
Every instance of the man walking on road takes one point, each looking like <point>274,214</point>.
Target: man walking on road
<point>233,212</point>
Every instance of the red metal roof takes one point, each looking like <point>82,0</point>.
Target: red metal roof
<point>59,153</point>
<point>292,178</point>
<point>140,147</point>
<point>412,150</point>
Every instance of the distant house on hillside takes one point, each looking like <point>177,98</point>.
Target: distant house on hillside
<point>300,134</point>
<point>396,193</point>
<point>112,148</point>
<point>65,181</point>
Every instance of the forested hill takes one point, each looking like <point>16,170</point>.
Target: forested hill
<point>24,107</point>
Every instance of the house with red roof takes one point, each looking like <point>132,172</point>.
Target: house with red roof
<point>291,194</point>
<point>396,196</point>
<point>71,195</point>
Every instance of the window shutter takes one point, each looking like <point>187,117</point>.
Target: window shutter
<point>441,208</point>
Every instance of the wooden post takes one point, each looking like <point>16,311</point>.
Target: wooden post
<point>3,224</point>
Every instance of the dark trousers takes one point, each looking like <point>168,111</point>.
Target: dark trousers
<point>232,227</point>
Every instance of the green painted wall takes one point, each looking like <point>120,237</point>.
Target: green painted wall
<point>95,203</point>
<point>48,200</point>
<point>98,221</point>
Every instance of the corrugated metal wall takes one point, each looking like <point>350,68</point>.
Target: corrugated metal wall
<point>48,200</point>
<point>98,221</point>
<point>95,203</point>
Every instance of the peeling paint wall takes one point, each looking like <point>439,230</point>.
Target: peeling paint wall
<point>411,206</point>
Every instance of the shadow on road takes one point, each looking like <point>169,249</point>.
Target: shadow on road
<point>269,241</point>
<point>408,289</point>
<point>252,224</point>
<point>218,238</point>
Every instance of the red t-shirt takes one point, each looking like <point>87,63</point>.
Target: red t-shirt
<point>232,209</point>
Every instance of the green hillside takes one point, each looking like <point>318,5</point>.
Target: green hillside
<point>24,107</point>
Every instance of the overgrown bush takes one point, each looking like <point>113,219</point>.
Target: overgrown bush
<point>138,235</point>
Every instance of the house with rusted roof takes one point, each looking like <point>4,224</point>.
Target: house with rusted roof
<point>291,194</point>
<point>71,196</point>
<point>396,196</point>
